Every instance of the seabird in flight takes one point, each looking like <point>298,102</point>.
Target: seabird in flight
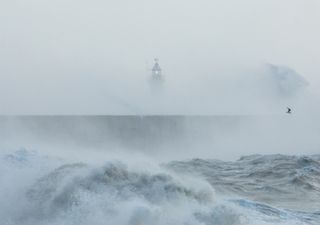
<point>289,110</point>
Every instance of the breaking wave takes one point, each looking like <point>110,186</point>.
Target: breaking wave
<point>253,190</point>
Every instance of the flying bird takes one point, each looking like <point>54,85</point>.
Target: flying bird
<point>289,110</point>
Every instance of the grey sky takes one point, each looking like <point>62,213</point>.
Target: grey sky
<point>78,57</point>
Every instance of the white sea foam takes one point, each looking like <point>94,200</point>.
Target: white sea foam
<point>44,190</point>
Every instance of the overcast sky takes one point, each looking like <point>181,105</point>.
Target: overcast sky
<point>92,57</point>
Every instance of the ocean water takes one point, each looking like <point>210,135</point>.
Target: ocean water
<point>159,170</point>
<point>37,189</point>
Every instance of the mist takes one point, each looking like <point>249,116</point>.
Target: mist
<point>160,138</point>
<point>225,133</point>
<point>231,60</point>
<point>72,57</point>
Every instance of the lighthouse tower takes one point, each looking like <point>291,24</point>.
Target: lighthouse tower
<point>156,70</point>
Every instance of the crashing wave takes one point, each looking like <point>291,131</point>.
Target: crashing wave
<point>117,193</point>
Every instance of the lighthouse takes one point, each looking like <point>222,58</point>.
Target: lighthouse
<point>156,70</point>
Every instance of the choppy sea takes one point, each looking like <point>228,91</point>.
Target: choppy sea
<point>36,189</point>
